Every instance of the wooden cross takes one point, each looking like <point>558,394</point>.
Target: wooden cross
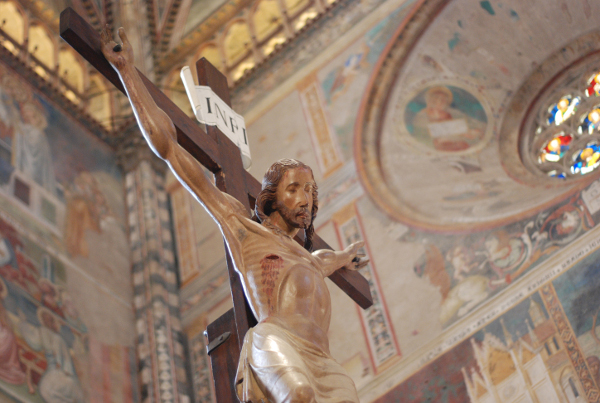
<point>222,157</point>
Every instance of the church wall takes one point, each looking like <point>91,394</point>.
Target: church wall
<point>441,298</point>
<point>554,322</point>
<point>66,317</point>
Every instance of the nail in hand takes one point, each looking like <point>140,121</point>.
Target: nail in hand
<point>118,48</point>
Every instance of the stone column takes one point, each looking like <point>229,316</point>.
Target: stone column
<point>156,296</point>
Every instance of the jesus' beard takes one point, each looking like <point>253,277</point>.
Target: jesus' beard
<point>296,218</point>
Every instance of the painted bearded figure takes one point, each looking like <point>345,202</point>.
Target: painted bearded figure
<point>285,357</point>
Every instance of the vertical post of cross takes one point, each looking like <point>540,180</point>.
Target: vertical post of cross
<point>231,179</point>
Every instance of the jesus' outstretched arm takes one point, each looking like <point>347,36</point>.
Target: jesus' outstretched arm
<point>159,131</point>
<point>350,258</point>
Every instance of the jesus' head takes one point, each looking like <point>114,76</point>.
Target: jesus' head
<point>289,193</point>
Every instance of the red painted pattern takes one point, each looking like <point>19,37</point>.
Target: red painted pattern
<point>270,267</point>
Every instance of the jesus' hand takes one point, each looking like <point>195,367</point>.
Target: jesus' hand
<point>119,56</point>
<point>355,258</point>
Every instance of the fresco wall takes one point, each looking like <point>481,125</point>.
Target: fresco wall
<point>66,319</point>
<point>544,348</point>
<point>489,313</point>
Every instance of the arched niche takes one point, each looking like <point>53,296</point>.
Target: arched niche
<point>293,7</point>
<point>570,387</point>
<point>71,71</point>
<point>266,18</point>
<point>42,47</point>
<point>12,24</point>
<point>236,44</point>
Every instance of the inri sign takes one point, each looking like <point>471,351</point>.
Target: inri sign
<point>211,110</point>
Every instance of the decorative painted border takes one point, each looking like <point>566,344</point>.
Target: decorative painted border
<point>322,135</point>
<point>201,373</point>
<point>576,356</point>
<point>377,326</point>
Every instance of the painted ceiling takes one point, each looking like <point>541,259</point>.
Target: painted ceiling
<point>165,18</point>
<point>457,166</point>
<point>439,145</point>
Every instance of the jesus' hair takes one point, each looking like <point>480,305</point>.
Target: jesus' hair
<point>268,195</point>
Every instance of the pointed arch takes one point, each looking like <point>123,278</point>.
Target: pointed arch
<point>13,23</point>
<point>236,41</point>
<point>42,47</point>
<point>266,19</point>
<point>72,72</point>
<point>294,7</point>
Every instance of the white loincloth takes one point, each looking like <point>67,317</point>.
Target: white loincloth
<point>269,352</point>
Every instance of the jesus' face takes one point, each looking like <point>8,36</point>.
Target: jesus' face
<point>295,197</point>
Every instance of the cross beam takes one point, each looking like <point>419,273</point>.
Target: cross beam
<point>213,150</point>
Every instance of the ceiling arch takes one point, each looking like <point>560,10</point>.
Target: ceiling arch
<point>427,141</point>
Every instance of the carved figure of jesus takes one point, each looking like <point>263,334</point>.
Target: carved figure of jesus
<point>285,357</point>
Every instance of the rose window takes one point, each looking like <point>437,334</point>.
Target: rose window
<point>567,139</point>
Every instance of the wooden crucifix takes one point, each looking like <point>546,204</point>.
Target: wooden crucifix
<point>222,157</point>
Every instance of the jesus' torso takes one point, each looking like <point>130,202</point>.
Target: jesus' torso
<point>284,283</point>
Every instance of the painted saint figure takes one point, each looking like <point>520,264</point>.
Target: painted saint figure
<point>59,383</point>
<point>86,208</point>
<point>32,154</point>
<point>11,370</point>
<point>443,127</point>
<point>285,358</point>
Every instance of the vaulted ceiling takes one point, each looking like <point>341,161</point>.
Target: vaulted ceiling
<point>237,36</point>
<point>166,19</point>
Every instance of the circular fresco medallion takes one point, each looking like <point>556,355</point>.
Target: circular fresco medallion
<point>446,118</point>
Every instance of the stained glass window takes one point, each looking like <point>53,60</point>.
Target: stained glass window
<point>555,148</point>
<point>593,85</point>
<point>590,121</point>
<point>563,109</point>
<point>562,137</point>
<point>556,174</point>
<point>587,159</point>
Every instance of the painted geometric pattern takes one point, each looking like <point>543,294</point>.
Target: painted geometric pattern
<point>326,148</point>
<point>569,339</point>
<point>201,375</point>
<point>156,299</point>
<point>378,327</point>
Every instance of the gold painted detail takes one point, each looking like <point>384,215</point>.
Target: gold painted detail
<point>569,339</point>
<point>325,144</point>
<point>379,333</point>
<point>267,18</point>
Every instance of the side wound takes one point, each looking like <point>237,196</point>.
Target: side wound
<point>270,266</point>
